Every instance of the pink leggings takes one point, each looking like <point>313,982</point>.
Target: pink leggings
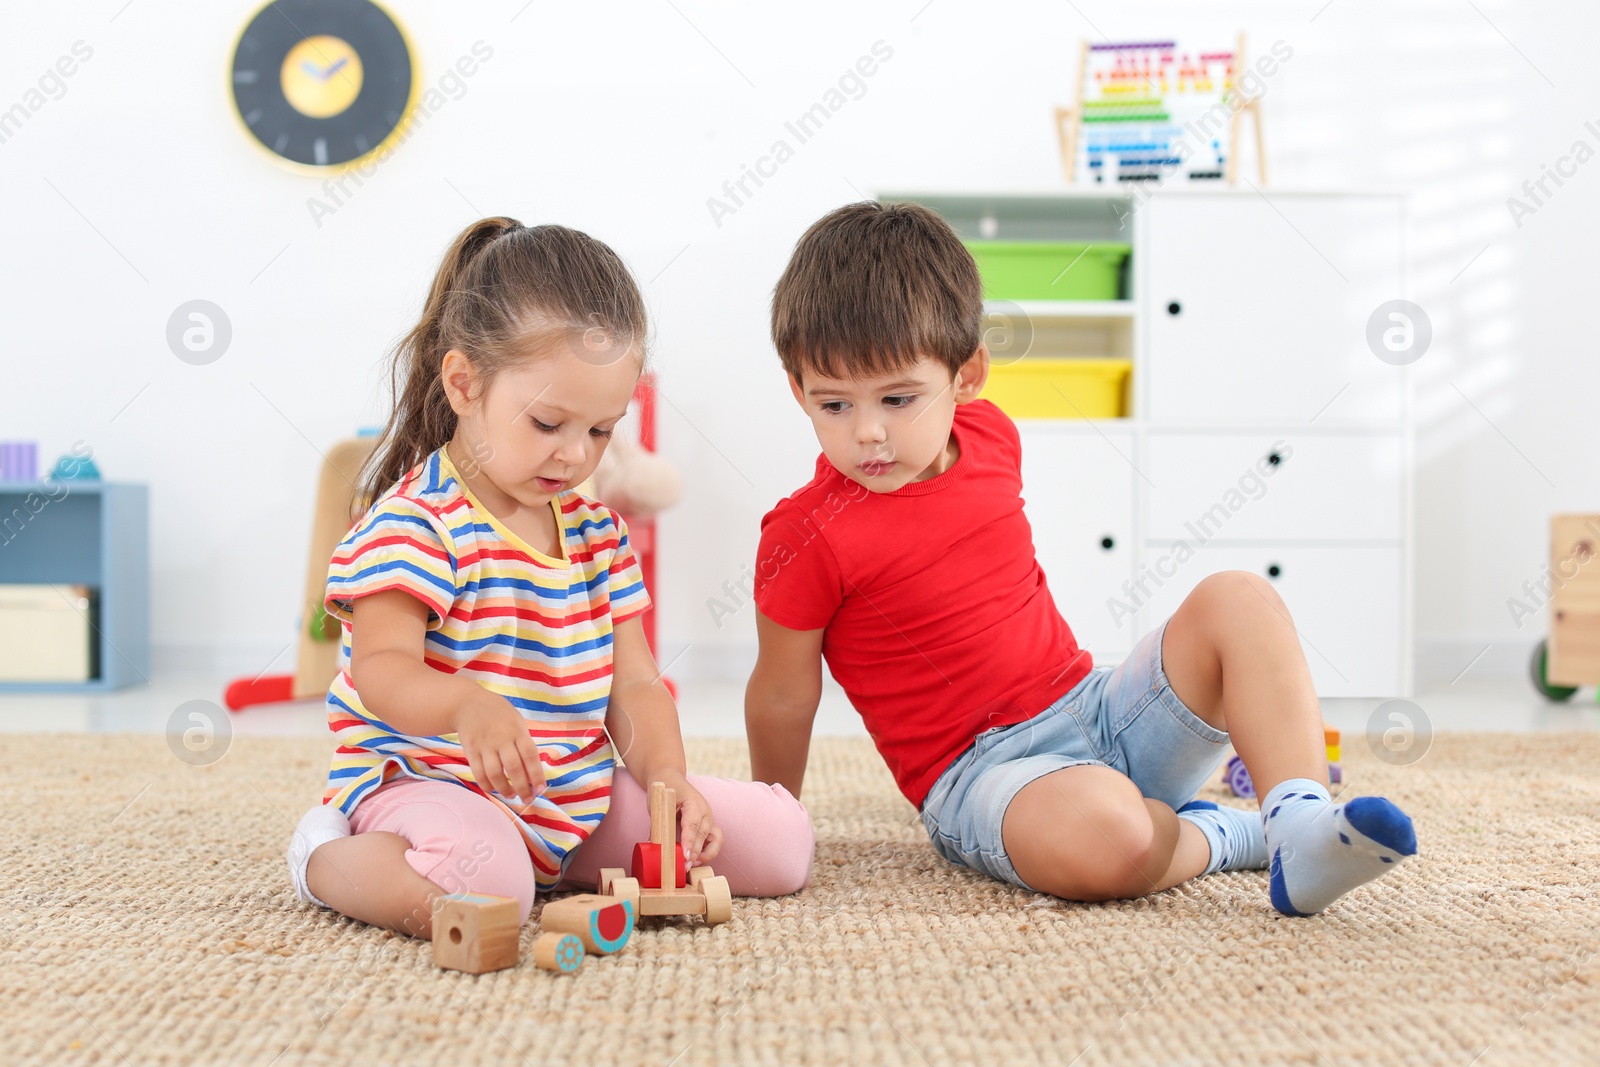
<point>464,843</point>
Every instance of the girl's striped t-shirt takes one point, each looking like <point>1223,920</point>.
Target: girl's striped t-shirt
<point>533,628</point>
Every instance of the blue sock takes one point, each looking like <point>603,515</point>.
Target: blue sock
<point>1321,850</point>
<point>1235,837</point>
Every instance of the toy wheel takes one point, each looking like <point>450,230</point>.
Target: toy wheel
<point>607,876</point>
<point>719,900</point>
<point>626,889</point>
<point>698,875</point>
<point>1239,779</point>
<point>561,953</point>
<point>1541,680</point>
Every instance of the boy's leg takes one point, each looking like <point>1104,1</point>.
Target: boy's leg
<point>1086,833</point>
<point>767,840</point>
<point>1231,655</point>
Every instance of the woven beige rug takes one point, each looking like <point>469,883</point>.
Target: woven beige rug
<point>147,920</point>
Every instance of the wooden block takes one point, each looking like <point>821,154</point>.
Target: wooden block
<point>1330,736</point>
<point>647,865</point>
<point>561,953</point>
<point>1335,774</point>
<point>603,924</point>
<point>475,932</point>
<point>671,902</point>
<point>1333,753</point>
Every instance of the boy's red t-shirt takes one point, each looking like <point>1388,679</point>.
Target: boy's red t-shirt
<point>939,623</point>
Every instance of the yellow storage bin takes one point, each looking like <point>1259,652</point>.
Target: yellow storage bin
<point>1060,388</point>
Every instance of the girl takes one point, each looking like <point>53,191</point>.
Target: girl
<point>493,668</point>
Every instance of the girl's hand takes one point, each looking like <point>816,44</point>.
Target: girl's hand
<point>700,835</point>
<point>501,754</point>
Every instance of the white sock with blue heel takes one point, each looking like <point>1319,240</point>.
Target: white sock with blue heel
<point>1322,850</point>
<point>1235,837</point>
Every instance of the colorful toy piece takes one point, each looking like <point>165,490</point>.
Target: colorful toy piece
<point>1237,778</point>
<point>702,893</point>
<point>561,953</point>
<point>647,866</point>
<point>475,932</point>
<point>602,923</point>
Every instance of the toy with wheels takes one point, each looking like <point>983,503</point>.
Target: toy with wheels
<point>658,884</point>
<point>1570,657</point>
<point>317,655</point>
<point>1237,778</point>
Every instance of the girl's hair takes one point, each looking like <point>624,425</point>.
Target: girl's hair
<point>502,288</point>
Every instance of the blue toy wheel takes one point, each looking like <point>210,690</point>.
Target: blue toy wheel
<point>1239,779</point>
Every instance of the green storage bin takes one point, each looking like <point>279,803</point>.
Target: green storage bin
<point>1039,270</point>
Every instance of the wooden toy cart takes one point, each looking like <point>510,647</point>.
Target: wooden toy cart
<point>658,885</point>
<point>1570,657</point>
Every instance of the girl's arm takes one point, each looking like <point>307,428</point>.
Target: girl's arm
<point>386,666</point>
<point>780,703</point>
<point>643,723</point>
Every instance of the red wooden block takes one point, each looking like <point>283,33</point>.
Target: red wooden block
<point>647,865</point>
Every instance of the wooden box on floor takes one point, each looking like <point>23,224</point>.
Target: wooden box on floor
<point>475,932</point>
<point>1574,601</point>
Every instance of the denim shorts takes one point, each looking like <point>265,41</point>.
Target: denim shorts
<point>1125,717</point>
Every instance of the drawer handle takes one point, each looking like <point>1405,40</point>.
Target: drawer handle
<point>1107,543</point>
<point>1174,308</point>
<point>1273,570</point>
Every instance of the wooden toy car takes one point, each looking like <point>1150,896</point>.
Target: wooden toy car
<point>1570,657</point>
<point>657,884</point>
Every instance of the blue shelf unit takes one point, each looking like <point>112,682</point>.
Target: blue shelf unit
<point>95,534</point>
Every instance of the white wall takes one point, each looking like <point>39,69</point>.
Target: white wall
<point>138,190</point>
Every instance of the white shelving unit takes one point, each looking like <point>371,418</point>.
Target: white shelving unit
<point>1263,434</point>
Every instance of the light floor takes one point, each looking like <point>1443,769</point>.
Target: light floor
<point>715,709</point>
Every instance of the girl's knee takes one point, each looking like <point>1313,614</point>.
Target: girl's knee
<point>789,862</point>
<point>459,841</point>
<point>488,857</point>
<point>768,840</point>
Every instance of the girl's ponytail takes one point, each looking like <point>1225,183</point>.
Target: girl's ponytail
<point>500,284</point>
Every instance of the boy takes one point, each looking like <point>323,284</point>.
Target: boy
<point>908,564</point>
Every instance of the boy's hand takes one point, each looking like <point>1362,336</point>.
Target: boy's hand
<point>501,754</point>
<point>700,835</point>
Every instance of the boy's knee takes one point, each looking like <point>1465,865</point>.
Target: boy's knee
<point>1112,861</point>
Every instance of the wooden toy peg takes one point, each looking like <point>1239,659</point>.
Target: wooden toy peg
<point>475,932</point>
<point>663,828</point>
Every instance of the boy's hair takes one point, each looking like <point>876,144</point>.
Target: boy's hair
<point>502,289</point>
<point>871,289</point>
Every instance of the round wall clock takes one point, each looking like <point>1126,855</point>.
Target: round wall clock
<point>323,83</point>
